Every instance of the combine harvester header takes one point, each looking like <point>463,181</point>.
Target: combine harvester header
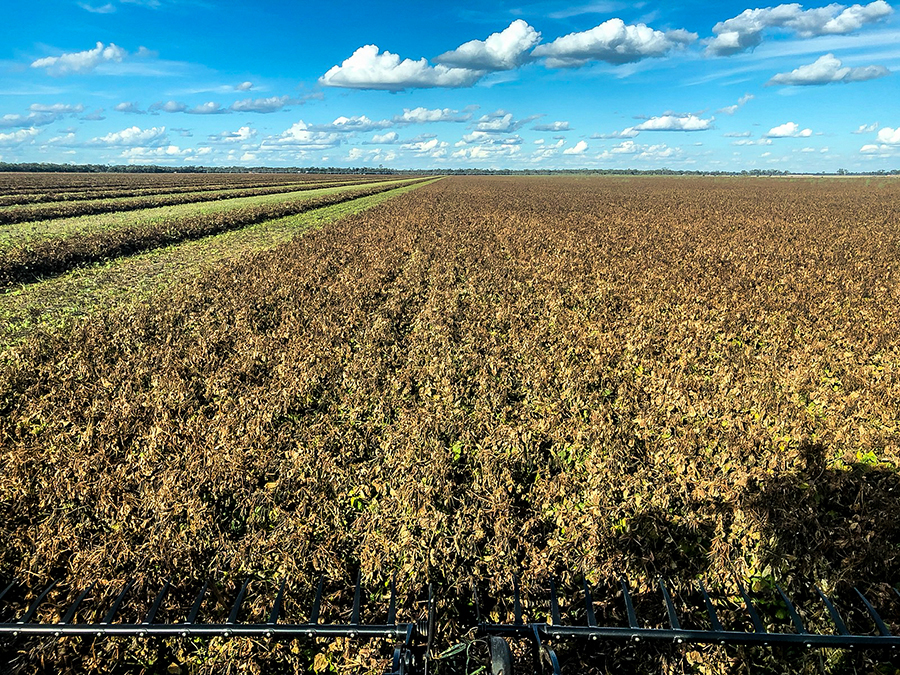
<point>413,640</point>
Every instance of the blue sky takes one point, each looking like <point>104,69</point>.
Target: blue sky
<point>547,84</point>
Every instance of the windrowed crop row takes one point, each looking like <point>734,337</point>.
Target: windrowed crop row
<point>112,193</point>
<point>48,211</point>
<point>35,183</point>
<point>45,257</point>
<point>102,190</point>
<point>688,378</point>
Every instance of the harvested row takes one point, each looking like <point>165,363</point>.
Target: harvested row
<point>41,258</point>
<point>102,191</point>
<point>112,193</point>
<point>688,378</point>
<point>47,211</point>
<point>23,234</point>
<point>36,183</point>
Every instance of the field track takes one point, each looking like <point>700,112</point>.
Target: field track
<point>689,378</point>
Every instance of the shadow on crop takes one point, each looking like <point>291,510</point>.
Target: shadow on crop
<point>827,524</point>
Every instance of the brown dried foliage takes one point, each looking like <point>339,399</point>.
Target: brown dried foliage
<point>486,376</point>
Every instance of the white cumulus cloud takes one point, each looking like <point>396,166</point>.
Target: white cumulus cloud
<point>578,149</point>
<point>628,132</point>
<point>377,155</point>
<point>642,152</point>
<point>424,146</point>
<point>487,152</point>
<point>625,148</point>
<point>827,69</point>
<point>882,150</point>
<point>134,136</point>
<point>675,123</point>
<point>242,135</point>
<point>209,108</point>
<point>168,153</point>
<point>57,108</point>
<point>731,109</point>
<point>263,105</point>
<point>422,115</point>
<point>501,122</point>
<point>498,122</point>
<point>866,128</point>
<point>18,137</point>
<point>356,123</point>
<point>745,31</point>
<point>81,62</point>
<point>370,68</point>
<point>553,126</point>
<point>168,106</point>
<point>614,42</point>
<point>301,136</point>
<point>388,138</point>
<point>505,50</point>
<point>40,115</point>
<point>128,107</point>
<point>32,119</point>
<point>788,130</point>
<point>889,136</point>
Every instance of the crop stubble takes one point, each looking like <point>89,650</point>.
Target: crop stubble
<point>486,376</point>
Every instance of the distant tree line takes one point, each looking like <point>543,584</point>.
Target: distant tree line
<point>131,168</point>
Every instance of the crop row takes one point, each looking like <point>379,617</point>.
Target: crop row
<point>42,195</point>
<point>49,211</point>
<point>37,183</point>
<point>111,193</point>
<point>680,378</point>
<point>35,259</point>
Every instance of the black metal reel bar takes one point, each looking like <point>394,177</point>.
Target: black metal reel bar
<point>409,656</point>
<point>555,629</point>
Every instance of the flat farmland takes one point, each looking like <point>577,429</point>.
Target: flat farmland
<point>689,378</point>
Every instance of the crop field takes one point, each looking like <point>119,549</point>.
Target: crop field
<point>470,378</point>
